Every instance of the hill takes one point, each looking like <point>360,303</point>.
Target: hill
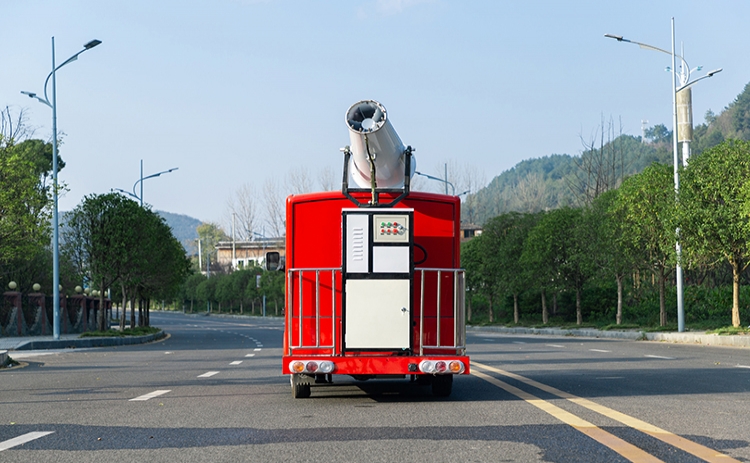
<point>561,179</point>
<point>183,228</point>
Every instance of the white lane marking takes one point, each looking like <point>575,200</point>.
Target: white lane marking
<point>599,350</point>
<point>555,345</point>
<point>20,440</point>
<point>259,345</point>
<point>167,353</point>
<point>208,374</point>
<point>236,362</point>
<point>742,366</point>
<point>150,395</point>
<point>256,350</point>
<point>488,340</point>
<point>659,357</point>
<point>250,355</point>
<point>518,342</point>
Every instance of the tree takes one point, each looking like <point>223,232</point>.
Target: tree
<point>25,197</point>
<point>210,234</point>
<point>101,226</point>
<point>244,208</point>
<point>646,208</point>
<point>273,201</point>
<point>607,245</point>
<point>556,253</point>
<point>711,209</point>
<point>503,241</point>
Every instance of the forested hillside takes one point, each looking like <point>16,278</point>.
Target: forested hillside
<point>563,180</point>
<point>183,227</point>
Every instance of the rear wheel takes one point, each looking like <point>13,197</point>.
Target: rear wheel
<point>442,385</point>
<point>300,386</point>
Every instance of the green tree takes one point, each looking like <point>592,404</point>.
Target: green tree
<point>100,225</point>
<point>556,251</point>
<point>646,208</point>
<point>607,245</point>
<point>25,198</point>
<point>503,238</point>
<point>711,209</point>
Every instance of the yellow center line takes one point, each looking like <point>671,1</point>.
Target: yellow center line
<point>627,450</point>
<point>672,439</point>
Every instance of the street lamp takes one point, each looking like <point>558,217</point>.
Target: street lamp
<point>439,180</point>
<point>685,83</point>
<point>140,198</point>
<point>55,223</point>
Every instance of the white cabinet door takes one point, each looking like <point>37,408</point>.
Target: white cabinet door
<point>377,314</point>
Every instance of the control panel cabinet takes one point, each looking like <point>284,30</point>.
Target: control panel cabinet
<point>377,278</point>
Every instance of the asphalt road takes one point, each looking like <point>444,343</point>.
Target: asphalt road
<point>213,392</point>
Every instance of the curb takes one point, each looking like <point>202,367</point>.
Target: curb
<point>684,338</point>
<point>3,357</point>
<point>90,342</point>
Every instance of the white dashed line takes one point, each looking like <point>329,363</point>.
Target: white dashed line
<point>659,357</point>
<point>256,350</point>
<point>20,440</point>
<point>555,345</point>
<point>148,396</point>
<point>236,362</point>
<point>208,374</point>
<point>250,355</point>
<point>518,342</point>
<point>599,350</point>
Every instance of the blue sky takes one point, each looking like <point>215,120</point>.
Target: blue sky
<point>237,92</point>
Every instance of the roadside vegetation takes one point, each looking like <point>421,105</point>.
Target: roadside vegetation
<point>114,333</point>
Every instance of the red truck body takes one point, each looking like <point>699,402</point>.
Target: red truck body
<point>373,291</point>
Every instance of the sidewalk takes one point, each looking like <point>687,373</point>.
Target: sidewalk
<point>696,337</point>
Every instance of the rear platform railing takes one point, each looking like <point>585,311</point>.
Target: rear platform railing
<point>301,302</point>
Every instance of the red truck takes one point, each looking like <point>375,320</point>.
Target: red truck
<point>374,287</point>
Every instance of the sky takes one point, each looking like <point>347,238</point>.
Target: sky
<point>243,92</point>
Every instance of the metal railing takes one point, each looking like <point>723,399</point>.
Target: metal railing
<point>298,274</point>
<point>298,301</point>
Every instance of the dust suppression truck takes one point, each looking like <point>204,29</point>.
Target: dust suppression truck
<point>374,287</point>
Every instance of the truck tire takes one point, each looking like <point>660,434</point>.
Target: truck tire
<point>442,385</point>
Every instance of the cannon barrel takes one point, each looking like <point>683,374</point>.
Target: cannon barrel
<point>372,136</point>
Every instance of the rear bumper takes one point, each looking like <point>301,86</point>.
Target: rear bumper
<point>374,365</point>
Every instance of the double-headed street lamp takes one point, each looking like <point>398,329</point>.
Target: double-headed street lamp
<point>140,198</point>
<point>55,223</point>
<point>685,83</point>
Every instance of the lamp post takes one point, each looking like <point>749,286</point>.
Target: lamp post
<point>445,181</point>
<point>55,223</point>
<point>140,198</point>
<point>684,85</point>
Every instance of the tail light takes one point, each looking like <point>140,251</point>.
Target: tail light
<point>311,366</point>
<point>441,367</point>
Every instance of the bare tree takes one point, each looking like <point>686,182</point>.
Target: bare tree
<point>531,193</point>
<point>242,208</point>
<point>327,179</point>
<point>12,128</point>
<point>298,181</point>
<point>599,169</point>
<point>273,201</point>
